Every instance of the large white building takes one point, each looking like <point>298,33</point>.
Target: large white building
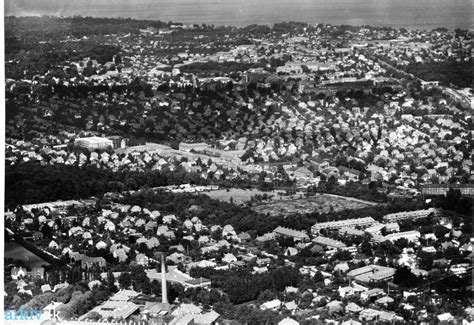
<point>93,143</point>
<point>411,236</point>
<point>418,214</point>
<point>359,222</point>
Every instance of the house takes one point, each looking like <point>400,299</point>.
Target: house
<point>244,237</point>
<point>229,258</point>
<point>271,305</point>
<point>141,259</point>
<point>203,240</point>
<point>372,293</point>
<point>334,307</point>
<point>369,315</point>
<point>266,237</point>
<point>152,242</point>
<point>155,309</point>
<point>263,261</point>
<point>291,306</point>
<point>341,267</point>
<point>210,318</point>
<point>348,291</point>
<point>53,245</point>
<point>288,321</point>
<point>351,174</point>
<point>238,263</point>
<point>37,272</point>
<point>386,316</point>
<point>353,308</point>
<point>37,236</point>
<point>18,272</point>
<point>101,245</point>
<point>291,251</point>
<point>351,322</point>
<point>150,225</point>
<point>120,254</point>
<point>175,257</point>
<point>179,248</point>
<point>46,288</point>
<point>384,301</point>
<point>88,262</point>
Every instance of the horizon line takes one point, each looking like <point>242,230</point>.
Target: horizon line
<point>225,25</point>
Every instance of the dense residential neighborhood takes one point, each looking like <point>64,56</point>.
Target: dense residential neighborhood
<point>166,173</point>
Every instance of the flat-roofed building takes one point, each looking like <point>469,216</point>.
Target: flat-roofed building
<point>115,310</point>
<point>290,67</point>
<point>418,214</point>
<point>442,189</point>
<point>287,232</point>
<point>371,273</point>
<point>118,141</point>
<point>328,242</point>
<point>351,231</point>
<point>359,222</point>
<point>411,236</point>
<point>93,143</point>
<point>392,227</point>
<point>375,229</point>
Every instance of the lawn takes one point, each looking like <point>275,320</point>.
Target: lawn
<point>281,204</point>
<point>239,196</point>
<point>321,203</point>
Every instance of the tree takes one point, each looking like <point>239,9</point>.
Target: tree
<point>93,315</point>
<point>174,291</point>
<point>125,280</point>
<point>140,280</point>
<point>318,277</point>
<point>266,296</point>
<point>225,309</point>
<point>111,281</point>
<point>405,278</point>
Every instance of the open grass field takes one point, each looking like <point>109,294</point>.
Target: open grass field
<point>281,204</point>
<point>240,196</point>
<point>321,203</point>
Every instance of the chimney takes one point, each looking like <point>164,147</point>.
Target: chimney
<point>164,294</point>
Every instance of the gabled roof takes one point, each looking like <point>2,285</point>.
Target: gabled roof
<point>290,232</point>
<point>208,318</point>
<point>271,304</point>
<point>185,309</point>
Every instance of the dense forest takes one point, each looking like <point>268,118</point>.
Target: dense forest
<point>46,57</point>
<point>242,286</point>
<point>33,183</point>
<point>30,30</point>
<point>456,73</point>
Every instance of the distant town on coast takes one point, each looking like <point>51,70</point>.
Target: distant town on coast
<point>271,172</point>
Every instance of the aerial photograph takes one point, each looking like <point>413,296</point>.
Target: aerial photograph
<point>227,162</point>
